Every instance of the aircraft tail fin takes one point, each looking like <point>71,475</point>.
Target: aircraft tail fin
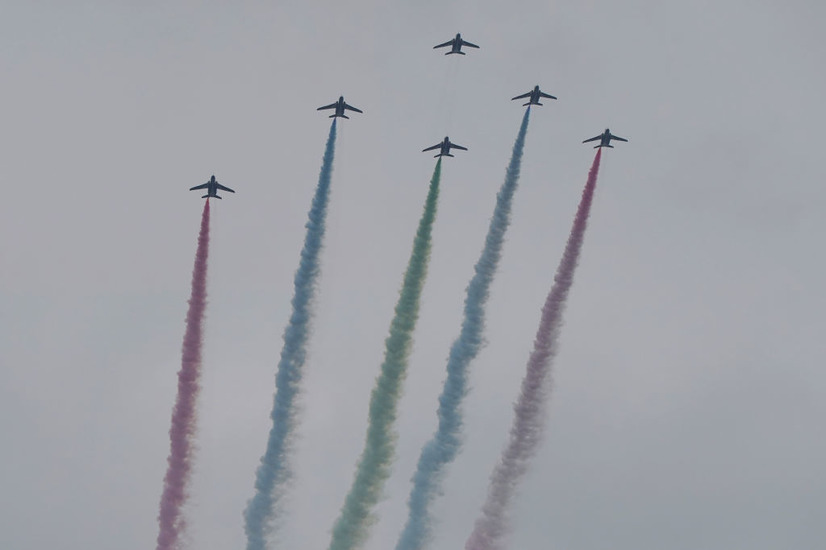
<point>208,196</point>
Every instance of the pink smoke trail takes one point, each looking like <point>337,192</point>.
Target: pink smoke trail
<point>171,522</point>
<point>526,432</point>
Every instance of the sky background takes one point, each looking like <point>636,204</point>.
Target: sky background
<point>688,403</point>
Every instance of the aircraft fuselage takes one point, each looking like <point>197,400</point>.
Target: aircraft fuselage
<point>339,108</point>
<point>457,45</point>
<point>606,139</point>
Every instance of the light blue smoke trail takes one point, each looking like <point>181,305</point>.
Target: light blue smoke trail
<point>443,447</point>
<point>274,471</point>
<point>353,524</point>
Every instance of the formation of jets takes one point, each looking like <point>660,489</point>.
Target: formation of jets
<point>444,147</point>
<point>212,187</point>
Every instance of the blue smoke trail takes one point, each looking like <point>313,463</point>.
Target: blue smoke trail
<point>445,443</point>
<point>274,470</point>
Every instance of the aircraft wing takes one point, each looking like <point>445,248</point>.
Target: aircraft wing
<point>352,108</point>
<point>466,43</point>
<point>448,43</point>
<point>330,106</point>
<point>618,138</point>
<point>223,188</point>
<point>437,146</point>
<point>543,94</point>
<point>202,186</point>
<point>454,146</point>
<point>593,138</point>
<point>522,96</point>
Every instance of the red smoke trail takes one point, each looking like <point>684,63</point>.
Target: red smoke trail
<point>526,431</point>
<point>183,415</point>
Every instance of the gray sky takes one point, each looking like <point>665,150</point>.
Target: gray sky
<point>689,393</point>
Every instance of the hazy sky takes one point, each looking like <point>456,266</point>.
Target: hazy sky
<point>688,405</point>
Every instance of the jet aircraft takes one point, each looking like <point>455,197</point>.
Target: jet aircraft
<point>605,139</point>
<point>534,96</point>
<point>212,188</point>
<point>339,106</point>
<point>456,45</point>
<point>444,148</point>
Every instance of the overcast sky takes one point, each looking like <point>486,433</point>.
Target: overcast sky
<point>688,405</point>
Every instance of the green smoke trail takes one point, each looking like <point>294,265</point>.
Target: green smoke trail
<point>351,528</point>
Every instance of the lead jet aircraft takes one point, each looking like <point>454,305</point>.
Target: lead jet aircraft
<point>534,96</point>
<point>339,106</point>
<point>444,148</point>
<point>212,188</point>
<point>456,45</point>
<point>605,139</point>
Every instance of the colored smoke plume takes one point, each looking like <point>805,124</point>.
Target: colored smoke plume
<point>526,431</point>
<point>274,472</point>
<point>170,518</point>
<point>351,528</point>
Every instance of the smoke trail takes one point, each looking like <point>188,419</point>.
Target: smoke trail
<point>274,471</point>
<point>444,445</point>
<point>352,526</point>
<point>179,463</point>
<point>526,431</point>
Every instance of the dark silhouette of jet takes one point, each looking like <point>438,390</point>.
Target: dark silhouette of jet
<point>605,139</point>
<point>340,106</point>
<point>212,188</point>
<point>444,148</point>
<point>534,96</point>
<point>456,45</point>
